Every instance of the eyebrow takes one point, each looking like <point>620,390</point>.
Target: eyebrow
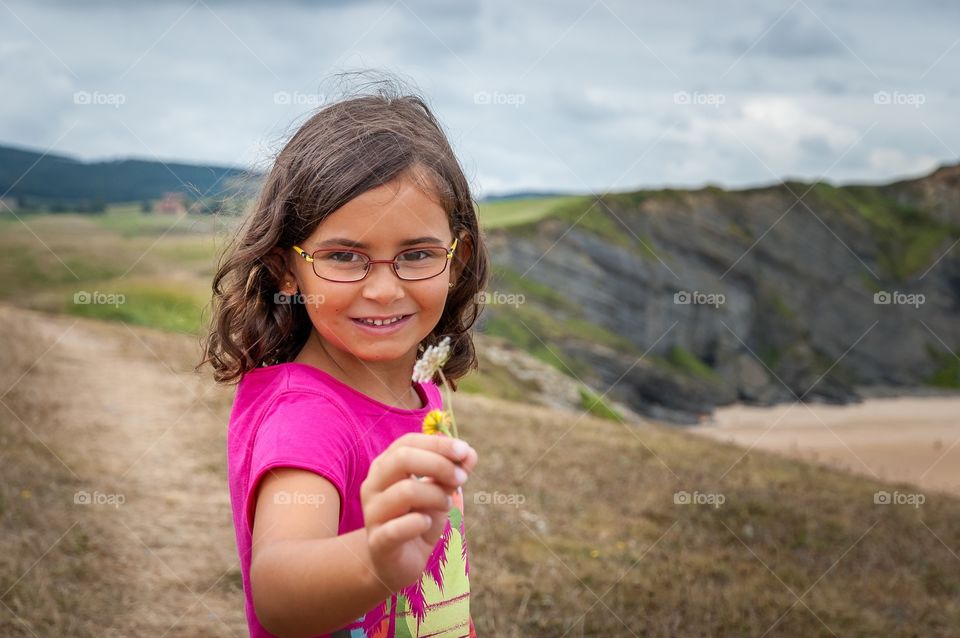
<point>342,241</point>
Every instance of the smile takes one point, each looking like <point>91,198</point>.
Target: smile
<point>381,322</point>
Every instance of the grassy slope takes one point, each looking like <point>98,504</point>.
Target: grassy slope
<point>505,213</point>
<point>160,265</point>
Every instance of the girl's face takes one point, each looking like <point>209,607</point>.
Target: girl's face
<point>378,223</point>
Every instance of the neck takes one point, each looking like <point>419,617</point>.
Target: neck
<point>385,381</point>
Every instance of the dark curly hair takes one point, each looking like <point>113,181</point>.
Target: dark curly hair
<point>341,151</point>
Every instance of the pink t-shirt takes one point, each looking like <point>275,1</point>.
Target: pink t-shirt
<point>296,415</point>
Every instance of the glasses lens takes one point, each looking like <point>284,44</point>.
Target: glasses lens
<point>421,263</point>
<point>339,265</point>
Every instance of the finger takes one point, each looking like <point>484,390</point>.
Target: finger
<point>397,531</point>
<point>449,490</point>
<point>400,463</point>
<point>404,496</point>
<point>445,445</point>
<point>469,462</point>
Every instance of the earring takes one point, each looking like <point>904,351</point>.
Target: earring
<point>451,285</point>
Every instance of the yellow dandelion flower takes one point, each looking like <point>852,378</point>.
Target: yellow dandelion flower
<point>436,421</point>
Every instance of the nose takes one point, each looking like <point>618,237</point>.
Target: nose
<point>382,284</point>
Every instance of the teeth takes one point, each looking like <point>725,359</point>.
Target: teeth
<point>378,322</point>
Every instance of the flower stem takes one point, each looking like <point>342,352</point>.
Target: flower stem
<point>449,396</point>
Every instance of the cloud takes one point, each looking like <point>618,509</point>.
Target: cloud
<point>577,96</point>
<point>791,36</point>
<point>892,161</point>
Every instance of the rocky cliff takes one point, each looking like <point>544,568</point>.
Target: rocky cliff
<point>679,301</point>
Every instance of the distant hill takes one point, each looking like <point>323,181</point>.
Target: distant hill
<point>521,195</point>
<point>35,179</point>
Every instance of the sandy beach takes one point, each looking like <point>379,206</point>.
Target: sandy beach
<point>910,439</point>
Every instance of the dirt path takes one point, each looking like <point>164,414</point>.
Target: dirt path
<point>143,438</point>
<point>910,439</point>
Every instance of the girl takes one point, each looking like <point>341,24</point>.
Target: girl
<point>363,249</point>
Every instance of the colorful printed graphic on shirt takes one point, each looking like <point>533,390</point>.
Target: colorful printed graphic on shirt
<point>438,605</point>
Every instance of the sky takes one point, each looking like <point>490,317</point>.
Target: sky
<point>548,96</point>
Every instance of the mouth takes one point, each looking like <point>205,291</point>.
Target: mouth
<point>382,323</point>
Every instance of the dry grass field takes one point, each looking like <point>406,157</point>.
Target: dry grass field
<point>574,523</point>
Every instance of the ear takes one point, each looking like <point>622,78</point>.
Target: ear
<point>287,282</point>
<point>461,256</point>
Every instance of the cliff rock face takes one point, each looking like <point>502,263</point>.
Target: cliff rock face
<point>679,301</point>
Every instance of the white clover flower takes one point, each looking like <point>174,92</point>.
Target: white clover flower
<point>432,360</point>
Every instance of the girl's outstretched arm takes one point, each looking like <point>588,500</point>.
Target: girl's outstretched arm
<point>305,579</point>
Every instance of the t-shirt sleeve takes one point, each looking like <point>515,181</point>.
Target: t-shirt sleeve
<point>306,431</point>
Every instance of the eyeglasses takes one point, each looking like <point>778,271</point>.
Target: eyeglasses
<point>344,266</point>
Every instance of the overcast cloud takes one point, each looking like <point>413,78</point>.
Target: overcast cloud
<point>572,96</point>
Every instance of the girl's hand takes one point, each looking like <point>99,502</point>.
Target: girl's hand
<point>405,516</point>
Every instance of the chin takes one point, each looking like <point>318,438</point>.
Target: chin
<point>386,353</point>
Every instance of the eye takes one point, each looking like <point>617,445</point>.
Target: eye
<point>416,255</point>
<point>343,257</point>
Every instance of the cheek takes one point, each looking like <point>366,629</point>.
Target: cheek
<point>328,320</point>
<point>325,303</point>
<point>432,296</point>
